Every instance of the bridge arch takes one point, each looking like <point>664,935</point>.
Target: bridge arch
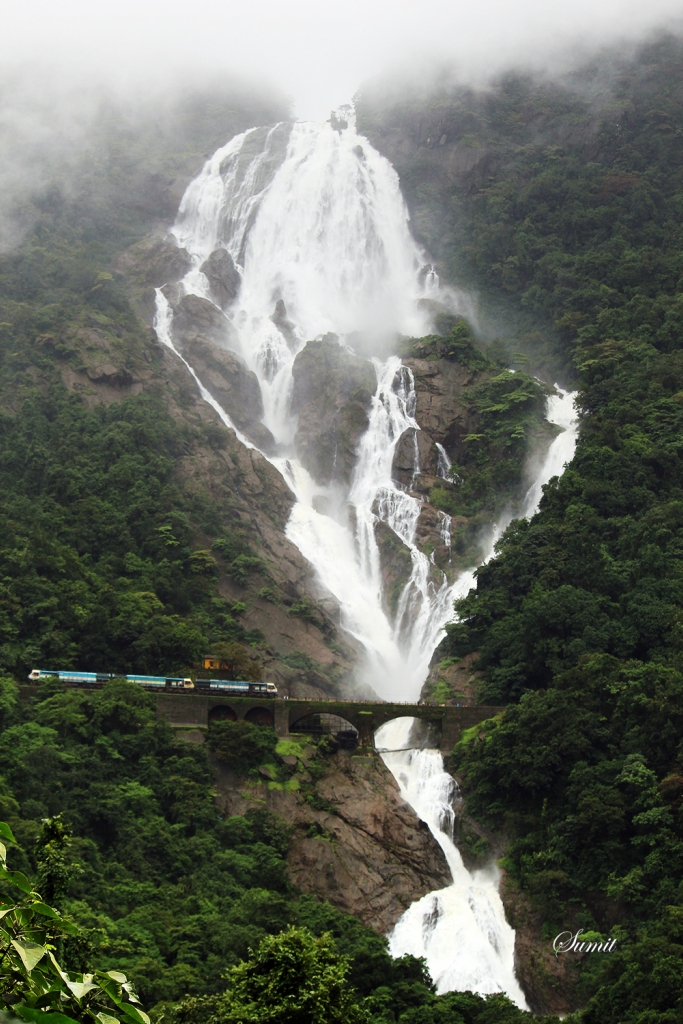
<point>407,732</point>
<point>260,716</point>
<point>222,713</point>
<point>326,724</point>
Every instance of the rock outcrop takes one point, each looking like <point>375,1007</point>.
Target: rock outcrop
<point>154,261</point>
<point>195,318</point>
<point>457,681</point>
<point>442,410</point>
<point>223,277</point>
<point>201,333</point>
<point>332,392</point>
<point>284,325</point>
<point>366,852</point>
<point>235,388</point>
<point>395,565</point>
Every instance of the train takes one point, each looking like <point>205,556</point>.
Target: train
<point>219,687</point>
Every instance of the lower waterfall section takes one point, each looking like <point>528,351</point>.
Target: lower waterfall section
<point>461,931</point>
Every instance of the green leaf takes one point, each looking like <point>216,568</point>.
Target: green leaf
<point>81,988</point>
<point>132,994</point>
<point>105,1018</point>
<point>139,1016</point>
<point>19,879</point>
<point>40,1017</point>
<point>42,908</point>
<point>6,908</point>
<point>117,976</point>
<point>3,852</point>
<point>30,952</point>
<point>6,832</point>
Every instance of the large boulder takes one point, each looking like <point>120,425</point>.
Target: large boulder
<point>283,323</point>
<point>415,453</point>
<point>443,409</point>
<point>332,393</point>
<point>223,277</point>
<point>195,318</point>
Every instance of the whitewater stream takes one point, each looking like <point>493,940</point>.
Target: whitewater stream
<point>315,222</point>
<point>461,930</point>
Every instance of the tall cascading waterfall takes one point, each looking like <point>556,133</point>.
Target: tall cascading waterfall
<point>461,931</point>
<point>314,217</point>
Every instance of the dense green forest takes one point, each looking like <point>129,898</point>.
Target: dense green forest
<point>106,557</point>
<point>158,885</point>
<point>575,221</point>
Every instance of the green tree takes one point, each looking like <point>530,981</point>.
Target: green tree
<point>241,745</point>
<point>292,978</point>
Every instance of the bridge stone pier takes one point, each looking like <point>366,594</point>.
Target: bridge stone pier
<point>195,711</point>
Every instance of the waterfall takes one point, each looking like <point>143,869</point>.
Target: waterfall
<point>315,224</point>
<point>314,220</point>
<point>461,931</point>
<point>443,464</point>
<point>317,233</point>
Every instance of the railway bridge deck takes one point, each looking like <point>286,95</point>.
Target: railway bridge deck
<point>190,712</point>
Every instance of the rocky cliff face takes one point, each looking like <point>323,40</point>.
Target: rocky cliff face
<point>223,277</point>
<point>364,849</point>
<point>332,392</point>
<point>300,648</point>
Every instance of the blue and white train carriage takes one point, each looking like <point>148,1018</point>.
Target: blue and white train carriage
<point>98,678</point>
<point>223,687</point>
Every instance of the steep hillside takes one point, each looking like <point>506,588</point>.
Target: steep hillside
<point>564,208</point>
<point>530,191</point>
<point>136,531</point>
<point>173,887</point>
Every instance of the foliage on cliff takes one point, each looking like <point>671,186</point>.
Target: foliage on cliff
<point>577,225</point>
<point>558,201</point>
<point>104,559</point>
<point>154,883</point>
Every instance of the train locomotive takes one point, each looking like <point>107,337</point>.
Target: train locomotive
<point>218,687</point>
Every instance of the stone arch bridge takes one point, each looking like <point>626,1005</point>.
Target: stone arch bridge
<point>189,712</point>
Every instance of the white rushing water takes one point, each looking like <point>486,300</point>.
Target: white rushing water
<point>315,223</point>
<point>461,931</point>
<point>315,218</point>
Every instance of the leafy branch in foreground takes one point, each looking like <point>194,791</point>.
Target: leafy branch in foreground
<point>33,985</point>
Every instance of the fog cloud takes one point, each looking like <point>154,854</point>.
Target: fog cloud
<point>317,52</point>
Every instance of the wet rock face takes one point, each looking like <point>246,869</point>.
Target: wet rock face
<point>283,323</point>
<point>395,565</point>
<point>223,277</point>
<point>332,393</point>
<point>461,678</point>
<point>197,319</point>
<point>430,536</point>
<point>371,857</point>
<point>235,388</point>
<point>201,333</point>
<point>442,410</point>
<point>414,455</point>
